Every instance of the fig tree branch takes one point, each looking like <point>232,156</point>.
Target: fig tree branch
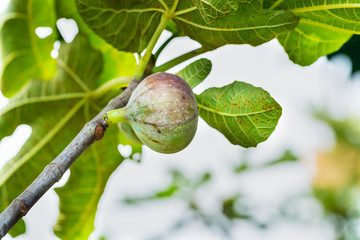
<point>92,131</point>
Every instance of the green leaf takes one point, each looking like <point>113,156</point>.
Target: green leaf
<point>179,186</point>
<point>171,27</point>
<point>129,25</point>
<point>81,194</point>
<point>323,28</point>
<point>126,25</point>
<point>288,156</point>
<point>249,24</point>
<point>25,56</point>
<point>196,72</point>
<point>245,114</point>
<point>308,42</point>
<point>116,63</point>
<point>212,9</point>
<point>57,110</point>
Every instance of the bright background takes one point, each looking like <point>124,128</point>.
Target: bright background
<point>324,85</point>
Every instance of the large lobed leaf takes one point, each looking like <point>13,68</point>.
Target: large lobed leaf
<point>212,9</point>
<point>115,62</point>
<point>323,28</point>
<point>56,111</point>
<point>249,24</point>
<point>129,25</point>
<point>245,114</point>
<point>126,25</point>
<point>196,72</point>
<point>25,56</point>
<point>81,194</point>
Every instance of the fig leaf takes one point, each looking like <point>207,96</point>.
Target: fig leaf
<point>129,25</point>
<point>243,23</point>
<point>245,114</point>
<point>323,28</point>
<point>24,54</point>
<point>196,72</point>
<point>56,111</point>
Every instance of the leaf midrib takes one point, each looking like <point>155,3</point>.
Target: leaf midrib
<point>195,75</point>
<point>325,7</point>
<point>235,114</point>
<point>317,7</point>
<point>41,99</point>
<point>47,138</point>
<point>234,29</point>
<point>31,28</point>
<point>327,26</point>
<point>9,16</point>
<point>74,76</point>
<point>95,191</point>
<point>319,40</point>
<point>121,10</point>
<point>164,5</point>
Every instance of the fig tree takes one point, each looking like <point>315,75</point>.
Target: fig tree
<point>162,111</point>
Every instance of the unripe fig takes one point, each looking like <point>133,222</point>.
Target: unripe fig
<point>162,111</point>
<point>128,132</point>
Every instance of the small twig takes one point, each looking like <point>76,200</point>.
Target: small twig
<point>52,173</point>
<point>163,46</point>
<point>143,61</point>
<point>172,63</point>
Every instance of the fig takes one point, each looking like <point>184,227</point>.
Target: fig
<point>162,111</point>
<point>128,132</point>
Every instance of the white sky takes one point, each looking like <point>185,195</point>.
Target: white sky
<point>324,84</point>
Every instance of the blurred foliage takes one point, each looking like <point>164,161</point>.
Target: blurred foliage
<point>230,208</point>
<point>336,184</point>
<point>179,186</point>
<point>335,190</point>
<point>287,156</point>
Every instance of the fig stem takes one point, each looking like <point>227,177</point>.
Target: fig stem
<point>115,116</point>
<point>165,18</point>
<point>182,58</point>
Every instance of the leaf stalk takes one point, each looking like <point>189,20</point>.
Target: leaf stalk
<point>139,73</point>
<point>172,63</point>
<point>163,46</point>
<point>113,83</point>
